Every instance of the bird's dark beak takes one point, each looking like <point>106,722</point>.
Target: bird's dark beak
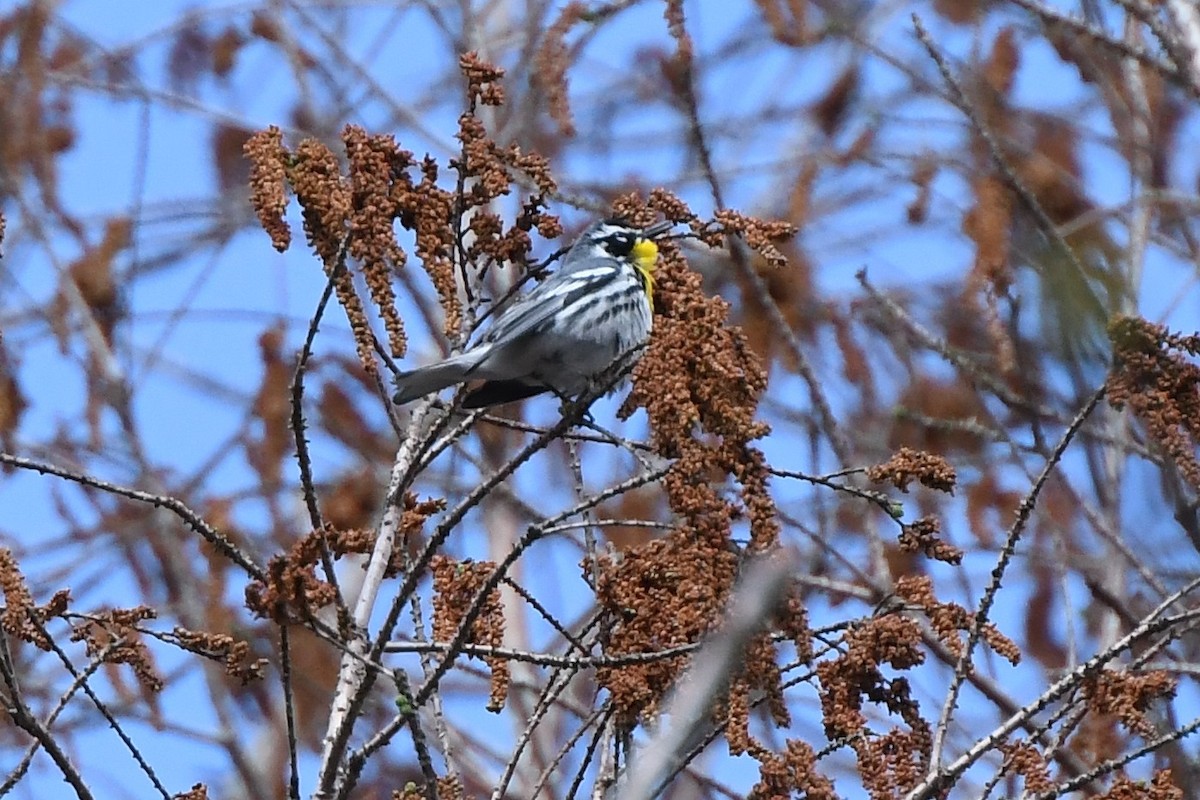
<point>656,230</point>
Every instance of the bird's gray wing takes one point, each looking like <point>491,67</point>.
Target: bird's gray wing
<point>537,308</point>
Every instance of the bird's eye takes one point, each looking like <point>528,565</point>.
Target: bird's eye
<point>620,244</point>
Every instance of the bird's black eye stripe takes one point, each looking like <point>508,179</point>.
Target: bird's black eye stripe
<point>619,244</point>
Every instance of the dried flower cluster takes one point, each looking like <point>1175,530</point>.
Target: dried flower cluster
<point>13,402</point>
<point>1024,759</point>
<point>921,536</point>
<point>372,163</point>
<point>989,225</point>
<point>761,235</point>
<point>456,584</point>
<point>893,762</point>
<point>113,638</point>
<point>21,617</point>
<point>699,384</point>
<point>552,60</point>
<point>949,620</point>
<point>907,465</point>
<point>412,519</point>
<point>198,792</point>
<point>449,788</point>
<point>236,655</point>
<point>273,408</point>
<point>664,594</point>
<point>1160,386</point>
<point>352,215</point>
<point>793,770</point>
<point>292,587</point>
<point>94,282</point>
<point>1161,787</point>
<point>855,676</point>
<point>483,81</point>
<point>268,184</point>
<point>1127,696</point>
<point>897,760</point>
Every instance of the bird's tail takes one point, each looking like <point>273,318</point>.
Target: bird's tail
<point>435,377</point>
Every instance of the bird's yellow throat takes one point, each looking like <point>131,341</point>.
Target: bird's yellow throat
<point>645,257</point>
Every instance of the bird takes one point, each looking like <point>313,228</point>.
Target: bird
<point>596,308</point>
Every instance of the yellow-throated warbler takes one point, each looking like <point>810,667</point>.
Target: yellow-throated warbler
<point>564,333</point>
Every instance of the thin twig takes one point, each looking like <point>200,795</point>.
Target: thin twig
<point>303,460</point>
<point>1153,623</point>
<point>174,505</point>
<point>289,710</point>
<point>1024,512</point>
<point>99,660</point>
<point>590,752</point>
<point>22,716</point>
<point>879,499</point>
<point>544,613</point>
<point>354,679</point>
<point>1115,764</point>
<point>1082,28</point>
<point>534,534</point>
<point>838,441</point>
<point>554,688</point>
<point>102,707</point>
<point>1027,198</point>
<point>544,659</point>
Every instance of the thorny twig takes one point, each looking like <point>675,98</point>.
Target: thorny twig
<point>1153,623</point>
<point>1024,512</point>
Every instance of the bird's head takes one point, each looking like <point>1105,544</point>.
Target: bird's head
<point>616,238</point>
